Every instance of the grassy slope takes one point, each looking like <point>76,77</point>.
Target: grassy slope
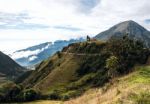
<point>3,79</point>
<point>120,90</point>
<point>61,75</point>
<point>64,72</point>
<point>129,89</point>
<point>56,72</point>
<point>60,72</point>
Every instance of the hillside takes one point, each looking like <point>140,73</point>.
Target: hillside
<point>81,66</point>
<point>61,70</point>
<point>130,89</point>
<point>133,29</point>
<point>78,68</point>
<point>9,69</point>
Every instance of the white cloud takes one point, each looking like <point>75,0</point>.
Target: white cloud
<point>77,14</point>
<point>33,58</point>
<point>28,54</point>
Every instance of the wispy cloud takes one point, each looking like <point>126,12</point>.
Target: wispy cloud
<point>68,28</point>
<point>24,26</point>
<point>17,21</point>
<point>147,21</point>
<point>12,18</point>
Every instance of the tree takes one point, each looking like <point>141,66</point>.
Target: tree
<point>112,64</point>
<point>58,54</point>
<point>88,38</point>
<point>13,92</point>
<point>129,52</point>
<point>30,95</point>
<point>1,97</point>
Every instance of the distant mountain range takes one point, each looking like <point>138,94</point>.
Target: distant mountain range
<point>133,29</point>
<point>9,68</point>
<point>35,54</point>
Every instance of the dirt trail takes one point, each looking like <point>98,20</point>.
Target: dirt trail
<point>82,54</point>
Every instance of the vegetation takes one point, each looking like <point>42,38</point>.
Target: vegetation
<point>85,47</point>
<point>141,98</point>
<point>79,67</point>
<point>111,64</point>
<point>23,76</point>
<point>11,92</point>
<point>130,89</point>
<point>133,88</point>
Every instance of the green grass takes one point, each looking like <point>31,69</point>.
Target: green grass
<point>142,75</point>
<point>140,98</point>
<point>138,86</point>
<point>133,88</point>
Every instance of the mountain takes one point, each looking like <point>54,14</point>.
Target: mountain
<point>133,29</point>
<point>35,54</point>
<point>9,68</point>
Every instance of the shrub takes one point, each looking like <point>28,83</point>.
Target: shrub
<point>71,94</point>
<point>12,93</point>
<point>128,51</point>
<point>58,54</point>
<point>1,97</point>
<point>100,78</point>
<point>54,95</point>
<point>28,95</point>
<point>112,65</point>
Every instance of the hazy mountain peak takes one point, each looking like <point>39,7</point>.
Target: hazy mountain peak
<point>130,27</point>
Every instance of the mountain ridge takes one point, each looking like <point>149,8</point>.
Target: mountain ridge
<point>9,68</point>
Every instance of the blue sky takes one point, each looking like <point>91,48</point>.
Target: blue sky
<point>24,23</point>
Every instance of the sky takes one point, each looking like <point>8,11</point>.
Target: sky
<point>25,23</point>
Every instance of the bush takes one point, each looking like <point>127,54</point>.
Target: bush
<point>71,94</point>
<point>1,97</point>
<point>112,65</point>
<point>128,51</point>
<point>12,93</point>
<point>100,79</point>
<point>29,95</point>
<point>55,95</point>
<point>58,54</point>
